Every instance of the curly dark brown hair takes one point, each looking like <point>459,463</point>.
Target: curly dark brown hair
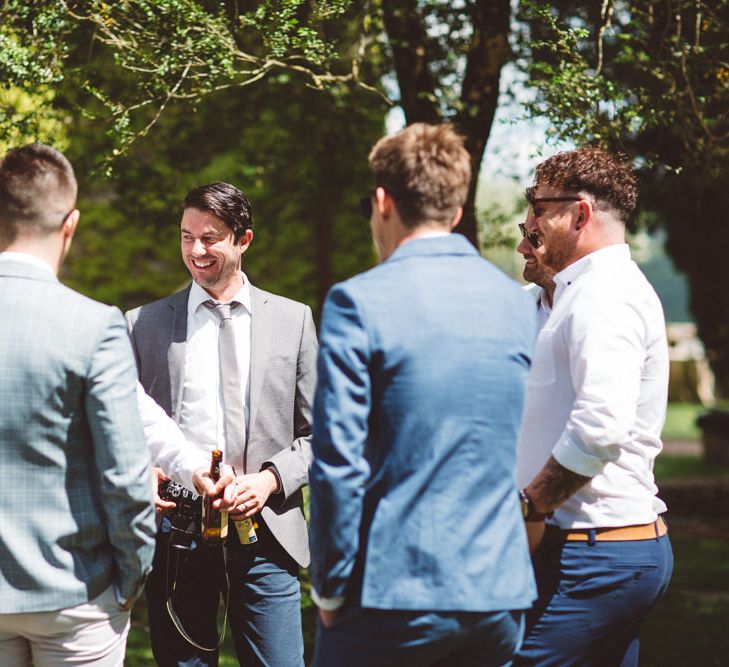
<point>608,177</point>
<point>426,170</point>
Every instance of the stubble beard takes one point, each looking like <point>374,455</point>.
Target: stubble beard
<point>558,251</point>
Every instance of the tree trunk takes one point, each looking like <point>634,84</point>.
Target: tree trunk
<point>488,50</point>
<point>699,248</point>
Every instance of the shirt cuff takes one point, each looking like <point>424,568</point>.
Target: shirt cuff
<point>327,604</point>
<point>570,453</point>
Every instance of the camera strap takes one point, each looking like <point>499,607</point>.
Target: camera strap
<point>171,611</point>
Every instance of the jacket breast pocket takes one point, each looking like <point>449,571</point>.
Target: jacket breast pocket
<point>543,371</point>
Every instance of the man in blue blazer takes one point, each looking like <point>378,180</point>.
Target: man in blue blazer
<point>76,509</point>
<point>419,554</point>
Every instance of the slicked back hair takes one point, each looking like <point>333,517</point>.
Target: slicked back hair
<point>426,170</point>
<point>608,177</point>
<point>225,202</point>
<point>37,191</point>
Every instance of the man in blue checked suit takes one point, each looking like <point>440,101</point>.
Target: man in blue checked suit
<point>419,554</point>
<point>75,505</point>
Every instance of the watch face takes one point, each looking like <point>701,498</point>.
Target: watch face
<point>525,504</point>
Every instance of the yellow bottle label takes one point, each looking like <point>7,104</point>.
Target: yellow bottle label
<point>246,531</point>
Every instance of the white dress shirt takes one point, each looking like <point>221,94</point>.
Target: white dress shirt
<point>597,391</point>
<point>168,448</point>
<point>202,415</point>
<point>543,307</point>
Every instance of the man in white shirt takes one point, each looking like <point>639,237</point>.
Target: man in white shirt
<point>595,408</point>
<point>234,366</point>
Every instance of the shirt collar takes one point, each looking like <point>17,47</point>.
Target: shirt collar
<point>539,295</point>
<point>612,254</point>
<point>543,303</point>
<point>198,296</point>
<point>25,258</point>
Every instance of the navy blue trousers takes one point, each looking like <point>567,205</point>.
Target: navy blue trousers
<point>593,598</point>
<point>264,606</point>
<point>392,638</point>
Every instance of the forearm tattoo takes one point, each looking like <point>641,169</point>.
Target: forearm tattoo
<point>555,484</point>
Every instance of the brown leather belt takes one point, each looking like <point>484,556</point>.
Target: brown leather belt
<point>648,531</point>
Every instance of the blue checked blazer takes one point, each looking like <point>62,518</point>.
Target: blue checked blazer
<point>422,374</point>
<point>76,512</point>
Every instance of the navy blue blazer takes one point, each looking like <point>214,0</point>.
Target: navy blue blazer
<point>422,371</point>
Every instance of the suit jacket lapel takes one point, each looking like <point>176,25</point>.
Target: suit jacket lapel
<point>176,350</point>
<point>260,346</point>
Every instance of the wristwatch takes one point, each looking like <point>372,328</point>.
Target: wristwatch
<point>528,512</point>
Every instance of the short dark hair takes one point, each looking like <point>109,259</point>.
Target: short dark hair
<point>425,169</point>
<point>608,177</point>
<point>37,191</point>
<point>225,202</point>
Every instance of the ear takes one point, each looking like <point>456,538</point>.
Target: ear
<point>584,213</point>
<point>384,202</point>
<point>245,240</point>
<point>457,217</point>
<point>70,223</point>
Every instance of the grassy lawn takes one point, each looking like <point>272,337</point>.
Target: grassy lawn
<point>669,468</point>
<point>681,422</point>
<point>139,653</point>
<point>688,627</point>
<point>681,426</point>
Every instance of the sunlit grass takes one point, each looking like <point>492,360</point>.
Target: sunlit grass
<point>681,422</point>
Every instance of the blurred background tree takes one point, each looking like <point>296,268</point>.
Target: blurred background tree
<point>150,99</point>
<point>651,78</point>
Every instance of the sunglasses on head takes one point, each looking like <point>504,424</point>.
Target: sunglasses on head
<point>534,238</point>
<point>533,200</point>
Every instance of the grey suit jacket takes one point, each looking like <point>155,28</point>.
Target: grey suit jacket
<point>283,378</point>
<point>76,510</point>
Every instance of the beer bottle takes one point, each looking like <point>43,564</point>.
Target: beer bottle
<point>214,522</point>
<point>246,529</point>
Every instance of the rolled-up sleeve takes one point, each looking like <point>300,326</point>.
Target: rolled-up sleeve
<point>606,348</point>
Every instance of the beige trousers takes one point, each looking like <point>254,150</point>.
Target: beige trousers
<point>94,633</point>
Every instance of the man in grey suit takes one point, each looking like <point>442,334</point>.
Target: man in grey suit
<point>76,510</point>
<point>262,424</point>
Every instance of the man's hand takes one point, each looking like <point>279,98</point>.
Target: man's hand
<point>162,506</point>
<point>328,618</point>
<point>252,492</point>
<point>225,485</point>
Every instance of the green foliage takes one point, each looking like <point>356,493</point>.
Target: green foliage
<point>173,50</point>
<point>625,71</point>
<point>651,79</point>
<point>299,154</point>
<point>93,78</point>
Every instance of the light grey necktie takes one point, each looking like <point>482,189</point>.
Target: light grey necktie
<point>234,416</point>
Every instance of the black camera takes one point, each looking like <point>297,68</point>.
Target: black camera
<point>185,518</point>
